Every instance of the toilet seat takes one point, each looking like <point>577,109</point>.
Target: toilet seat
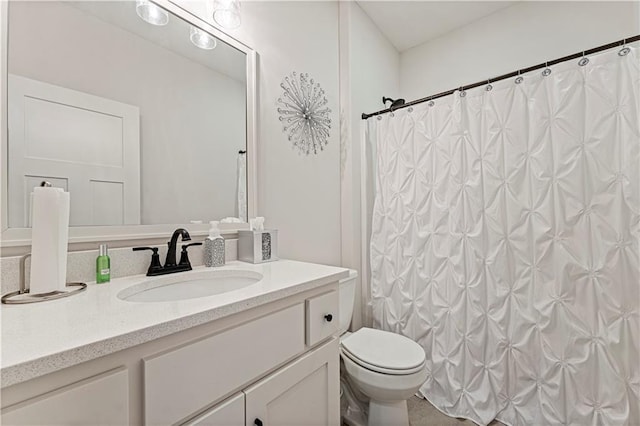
<point>381,370</point>
<point>383,352</point>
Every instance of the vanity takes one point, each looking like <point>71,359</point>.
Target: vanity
<point>264,353</point>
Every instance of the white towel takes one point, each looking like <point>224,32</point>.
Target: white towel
<point>242,187</point>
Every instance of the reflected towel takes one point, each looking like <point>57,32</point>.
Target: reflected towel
<point>241,207</point>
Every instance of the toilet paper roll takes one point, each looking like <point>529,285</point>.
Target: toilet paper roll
<point>49,239</point>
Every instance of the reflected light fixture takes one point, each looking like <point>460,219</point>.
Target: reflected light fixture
<point>202,39</point>
<point>151,13</point>
<point>226,13</point>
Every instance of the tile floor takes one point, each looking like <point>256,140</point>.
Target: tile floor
<point>422,413</point>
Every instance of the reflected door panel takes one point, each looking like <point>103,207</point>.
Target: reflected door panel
<point>84,143</point>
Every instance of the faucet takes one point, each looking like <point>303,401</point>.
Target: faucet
<point>170,265</point>
<point>171,253</point>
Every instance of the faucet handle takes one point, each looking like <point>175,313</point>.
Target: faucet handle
<point>155,265</point>
<point>185,246</point>
<point>184,255</point>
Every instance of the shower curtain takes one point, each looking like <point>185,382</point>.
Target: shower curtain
<point>505,241</point>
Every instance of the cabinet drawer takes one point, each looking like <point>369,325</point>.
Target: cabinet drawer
<point>183,381</point>
<point>98,400</point>
<point>322,317</point>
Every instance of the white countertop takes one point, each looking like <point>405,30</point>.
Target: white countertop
<point>44,337</point>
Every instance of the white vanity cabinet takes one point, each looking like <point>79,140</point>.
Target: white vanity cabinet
<point>301,393</point>
<point>276,364</point>
<point>99,400</point>
<point>179,382</point>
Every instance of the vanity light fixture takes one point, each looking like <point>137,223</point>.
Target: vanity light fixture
<point>151,13</point>
<point>226,13</point>
<point>202,39</point>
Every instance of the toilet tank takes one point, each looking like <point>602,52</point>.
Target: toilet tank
<point>346,299</point>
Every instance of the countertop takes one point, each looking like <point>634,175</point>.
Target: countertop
<point>44,337</point>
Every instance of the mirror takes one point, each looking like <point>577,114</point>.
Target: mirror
<point>138,113</point>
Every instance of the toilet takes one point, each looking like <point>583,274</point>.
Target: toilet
<point>384,367</point>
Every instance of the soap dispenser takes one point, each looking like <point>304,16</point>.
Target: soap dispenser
<point>213,248</point>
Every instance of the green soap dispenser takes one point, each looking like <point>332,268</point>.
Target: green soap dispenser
<point>103,265</point>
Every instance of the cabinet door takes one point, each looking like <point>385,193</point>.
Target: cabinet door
<point>99,400</point>
<point>228,413</point>
<point>305,392</point>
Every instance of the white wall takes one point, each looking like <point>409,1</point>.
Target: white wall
<point>299,195</point>
<point>522,35</point>
<point>369,69</point>
<point>192,118</point>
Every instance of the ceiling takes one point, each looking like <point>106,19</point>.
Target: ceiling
<point>409,23</point>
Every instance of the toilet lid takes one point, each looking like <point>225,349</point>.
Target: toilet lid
<point>383,351</point>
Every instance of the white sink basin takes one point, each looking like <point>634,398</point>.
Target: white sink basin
<point>188,285</point>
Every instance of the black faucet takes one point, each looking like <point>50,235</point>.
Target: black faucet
<point>171,260</point>
<point>170,265</point>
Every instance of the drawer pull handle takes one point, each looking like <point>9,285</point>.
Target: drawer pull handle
<point>328,317</point>
<point>257,422</point>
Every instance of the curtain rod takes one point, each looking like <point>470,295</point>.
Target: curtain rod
<point>511,74</point>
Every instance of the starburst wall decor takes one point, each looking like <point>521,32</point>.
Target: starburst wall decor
<point>304,113</point>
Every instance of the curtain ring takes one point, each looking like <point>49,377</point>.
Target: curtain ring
<point>546,71</point>
<point>431,103</point>
<point>462,92</point>
<point>489,86</point>
<point>625,50</point>
<point>584,61</point>
<point>519,79</point>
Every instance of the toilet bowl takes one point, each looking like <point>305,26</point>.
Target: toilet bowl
<point>385,367</point>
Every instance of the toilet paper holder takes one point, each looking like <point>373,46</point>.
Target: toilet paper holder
<point>23,296</point>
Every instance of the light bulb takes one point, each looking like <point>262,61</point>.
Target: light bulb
<point>202,39</point>
<point>226,13</point>
<point>151,13</point>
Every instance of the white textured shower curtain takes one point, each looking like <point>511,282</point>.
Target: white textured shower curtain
<point>505,241</point>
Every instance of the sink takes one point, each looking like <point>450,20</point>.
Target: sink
<point>189,285</point>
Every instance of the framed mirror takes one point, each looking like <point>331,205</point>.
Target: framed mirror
<point>142,111</point>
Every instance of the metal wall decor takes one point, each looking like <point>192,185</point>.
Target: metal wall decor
<point>304,113</point>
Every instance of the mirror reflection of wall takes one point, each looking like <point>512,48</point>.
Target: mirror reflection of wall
<point>136,121</point>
